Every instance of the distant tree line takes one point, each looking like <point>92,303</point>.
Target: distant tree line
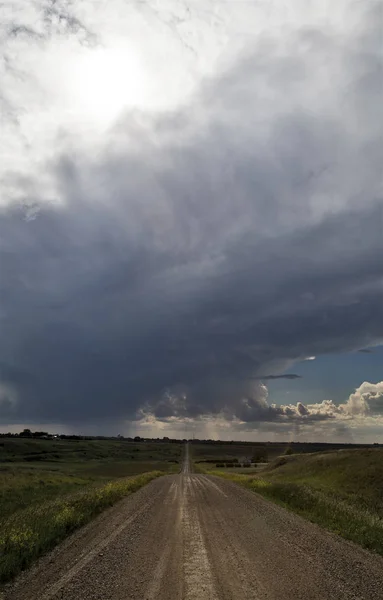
<point>291,447</point>
<point>29,434</point>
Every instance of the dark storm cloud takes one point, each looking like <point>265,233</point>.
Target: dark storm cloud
<point>200,250</point>
<point>270,377</point>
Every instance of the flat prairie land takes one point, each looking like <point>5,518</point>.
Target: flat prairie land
<point>195,536</point>
<point>49,488</point>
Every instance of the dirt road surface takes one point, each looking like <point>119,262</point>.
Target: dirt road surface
<point>196,537</point>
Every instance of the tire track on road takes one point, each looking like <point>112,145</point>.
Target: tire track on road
<point>73,571</point>
<point>199,580</point>
<point>198,537</point>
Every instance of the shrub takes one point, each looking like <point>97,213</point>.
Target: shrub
<point>288,451</point>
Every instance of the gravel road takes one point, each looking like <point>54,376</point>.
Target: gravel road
<point>196,537</point>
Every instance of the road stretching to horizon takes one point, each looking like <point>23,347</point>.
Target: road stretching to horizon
<point>198,537</point>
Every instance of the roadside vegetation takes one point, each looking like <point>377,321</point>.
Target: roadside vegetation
<point>341,491</point>
<point>49,488</point>
<point>30,532</point>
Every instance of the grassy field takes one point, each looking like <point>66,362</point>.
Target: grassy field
<point>228,452</point>
<point>87,452</point>
<point>341,490</point>
<point>48,488</point>
<point>232,452</point>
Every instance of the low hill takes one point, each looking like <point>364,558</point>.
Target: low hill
<point>341,490</point>
<point>355,475</point>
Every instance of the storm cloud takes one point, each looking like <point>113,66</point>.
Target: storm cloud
<point>189,252</point>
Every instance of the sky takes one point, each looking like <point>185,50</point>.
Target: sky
<point>191,221</point>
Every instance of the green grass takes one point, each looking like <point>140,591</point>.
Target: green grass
<point>226,451</point>
<point>70,465</point>
<point>30,532</point>
<point>48,488</point>
<point>341,491</point>
<point>21,488</point>
<point>68,451</point>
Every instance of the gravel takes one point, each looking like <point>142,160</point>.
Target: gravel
<point>196,537</point>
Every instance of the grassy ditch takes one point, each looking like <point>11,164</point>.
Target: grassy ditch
<point>28,532</point>
<point>341,491</point>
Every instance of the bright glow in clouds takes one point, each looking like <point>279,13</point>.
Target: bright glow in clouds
<point>77,67</point>
<point>108,80</point>
<point>200,185</point>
